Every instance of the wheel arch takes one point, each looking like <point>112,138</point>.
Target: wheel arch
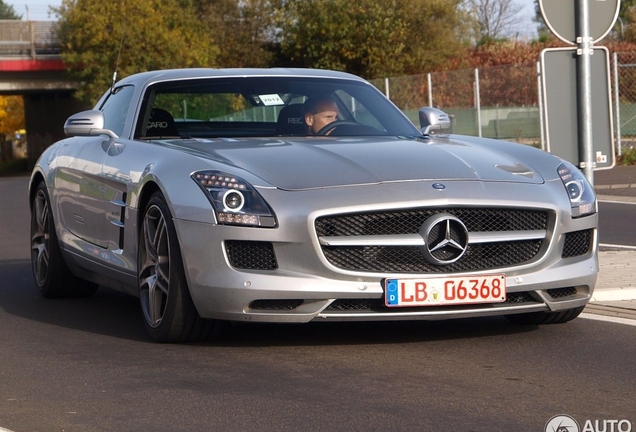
<point>36,178</point>
<point>144,196</point>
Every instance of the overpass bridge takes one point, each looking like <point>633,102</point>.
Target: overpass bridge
<point>31,66</point>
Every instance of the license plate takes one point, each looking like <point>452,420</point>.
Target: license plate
<point>445,291</point>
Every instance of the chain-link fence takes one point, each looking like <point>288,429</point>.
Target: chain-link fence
<point>496,102</point>
<point>503,101</point>
<point>624,71</point>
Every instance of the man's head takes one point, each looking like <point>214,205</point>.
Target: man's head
<point>319,112</point>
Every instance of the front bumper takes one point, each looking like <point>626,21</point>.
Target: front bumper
<point>296,295</point>
<point>305,285</point>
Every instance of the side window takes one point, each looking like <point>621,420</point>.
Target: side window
<point>115,109</point>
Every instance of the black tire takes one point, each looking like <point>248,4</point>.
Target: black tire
<point>536,318</point>
<point>52,276</point>
<point>167,307</point>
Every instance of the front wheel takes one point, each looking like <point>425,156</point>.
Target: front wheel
<point>168,310</point>
<point>536,318</point>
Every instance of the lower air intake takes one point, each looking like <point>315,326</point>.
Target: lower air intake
<point>251,255</point>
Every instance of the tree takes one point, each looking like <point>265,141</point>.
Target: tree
<point>627,21</point>
<point>7,12</point>
<point>135,36</point>
<point>11,120</point>
<point>11,107</point>
<point>493,19</point>
<point>626,18</point>
<point>242,30</point>
<point>367,37</point>
<point>11,114</point>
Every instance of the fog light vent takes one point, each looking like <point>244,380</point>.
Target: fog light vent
<point>251,255</point>
<point>562,292</point>
<point>577,243</point>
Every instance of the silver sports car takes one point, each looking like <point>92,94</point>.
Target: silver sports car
<point>281,195</point>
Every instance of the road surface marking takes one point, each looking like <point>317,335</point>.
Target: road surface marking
<point>606,318</point>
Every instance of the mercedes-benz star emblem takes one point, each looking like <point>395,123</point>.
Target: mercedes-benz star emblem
<point>445,239</point>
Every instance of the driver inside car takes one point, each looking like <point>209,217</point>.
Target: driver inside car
<point>319,112</point>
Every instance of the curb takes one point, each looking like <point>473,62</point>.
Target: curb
<point>616,186</point>
<point>619,198</point>
<point>613,294</point>
<point>616,279</point>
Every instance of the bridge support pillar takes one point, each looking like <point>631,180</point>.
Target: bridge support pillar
<point>45,114</point>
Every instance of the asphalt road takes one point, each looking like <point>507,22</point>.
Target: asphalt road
<point>617,225</point>
<point>88,365</point>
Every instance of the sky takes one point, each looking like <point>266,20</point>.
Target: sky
<point>38,10</point>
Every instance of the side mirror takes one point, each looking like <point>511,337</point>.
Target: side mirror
<point>87,123</point>
<point>434,121</point>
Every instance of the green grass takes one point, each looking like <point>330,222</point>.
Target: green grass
<point>627,157</point>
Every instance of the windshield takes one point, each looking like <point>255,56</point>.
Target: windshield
<point>268,107</point>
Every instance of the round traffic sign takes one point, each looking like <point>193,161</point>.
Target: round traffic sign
<point>561,16</point>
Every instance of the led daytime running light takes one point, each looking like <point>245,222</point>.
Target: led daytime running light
<point>218,181</point>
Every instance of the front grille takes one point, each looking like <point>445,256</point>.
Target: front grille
<point>410,221</point>
<point>275,305</point>
<point>409,259</point>
<point>519,297</point>
<point>577,243</point>
<point>251,255</point>
<point>348,305</point>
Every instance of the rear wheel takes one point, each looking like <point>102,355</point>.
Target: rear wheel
<point>52,276</point>
<point>535,318</point>
<point>168,310</point>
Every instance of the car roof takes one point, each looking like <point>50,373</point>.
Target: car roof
<point>196,73</point>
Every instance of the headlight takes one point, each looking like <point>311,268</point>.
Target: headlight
<point>579,190</point>
<point>235,201</point>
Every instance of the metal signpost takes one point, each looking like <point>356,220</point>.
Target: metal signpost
<point>561,17</point>
<point>560,113</point>
<point>569,20</point>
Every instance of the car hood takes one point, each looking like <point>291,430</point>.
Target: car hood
<point>319,162</point>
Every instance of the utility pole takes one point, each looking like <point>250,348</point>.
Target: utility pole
<point>584,52</point>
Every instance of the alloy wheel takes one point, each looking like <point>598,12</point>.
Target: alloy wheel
<point>154,270</point>
<point>40,237</point>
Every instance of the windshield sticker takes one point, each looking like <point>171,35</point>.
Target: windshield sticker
<point>271,99</point>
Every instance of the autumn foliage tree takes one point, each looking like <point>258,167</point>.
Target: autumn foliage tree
<point>149,34</point>
<point>366,37</point>
<point>11,114</point>
<point>369,38</point>
<point>11,120</point>
<point>242,30</point>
